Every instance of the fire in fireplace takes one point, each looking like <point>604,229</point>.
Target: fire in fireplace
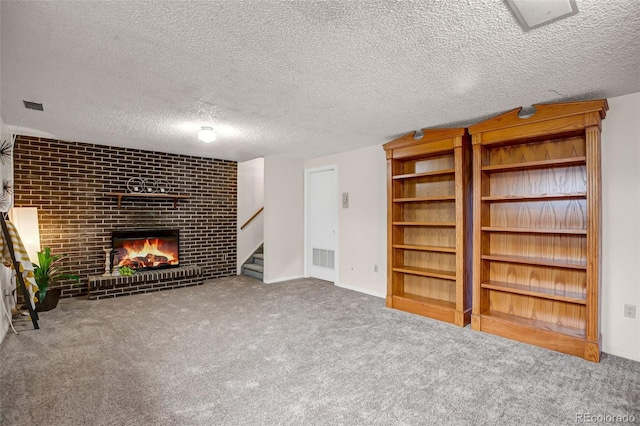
<point>147,248</point>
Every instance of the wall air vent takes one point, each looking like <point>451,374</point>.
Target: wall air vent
<point>33,105</point>
<point>324,258</point>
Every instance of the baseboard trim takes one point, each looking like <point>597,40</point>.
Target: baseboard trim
<point>621,353</point>
<point>345,286</point>
<point>279,280</point>
<point>362,290</point>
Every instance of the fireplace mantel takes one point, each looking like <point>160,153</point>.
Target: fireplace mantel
<point>126,195</point>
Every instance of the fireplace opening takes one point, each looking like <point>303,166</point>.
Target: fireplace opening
<point>147,248</point>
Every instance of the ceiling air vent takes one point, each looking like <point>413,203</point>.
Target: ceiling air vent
<point>33,105</point>
<point>536,13</point>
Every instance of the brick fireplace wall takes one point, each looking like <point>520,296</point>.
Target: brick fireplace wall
<point>68,181</point>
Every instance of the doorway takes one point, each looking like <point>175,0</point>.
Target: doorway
<point>321,223</point>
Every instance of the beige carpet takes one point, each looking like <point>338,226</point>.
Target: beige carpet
<point>235,351</point>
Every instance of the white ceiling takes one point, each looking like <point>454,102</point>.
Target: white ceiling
<point>296,78</point>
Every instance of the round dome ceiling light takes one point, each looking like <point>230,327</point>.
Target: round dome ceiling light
<point>207,135</point>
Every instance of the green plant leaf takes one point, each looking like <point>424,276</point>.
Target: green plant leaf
<point>48,270</point>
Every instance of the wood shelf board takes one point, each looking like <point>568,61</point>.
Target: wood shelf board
<point>121,195</point>
<point>426,272</point>
<point>539,333</point>
<point>542,292</point>
<point>440,310</point>
<point>424,199</point>
<point>560,162</point>
<point>146,195</point>
<point>576,333</point>
<point>535,230</point>
<point>534,197</point>
<point>428,300</point>
<point>539,261</point>
<point>425,248</point>
<point>434,224</point>
<point>424,174</point>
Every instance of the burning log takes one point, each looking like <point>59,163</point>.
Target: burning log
<point>147,261</point>
<point>156,259</point>
<point>142,261</point>
<point>132,263</point>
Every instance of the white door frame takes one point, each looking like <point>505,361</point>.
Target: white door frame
<point>333,167</point>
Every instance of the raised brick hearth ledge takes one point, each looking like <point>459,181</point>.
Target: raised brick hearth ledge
<point>144,282</point>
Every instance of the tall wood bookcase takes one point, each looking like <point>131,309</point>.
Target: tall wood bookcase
<point>536,239</point>
<point>429,225</point>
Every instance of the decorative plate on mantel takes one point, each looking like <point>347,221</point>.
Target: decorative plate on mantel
<point>135,185</point>
<point>150,185</point>
<point>162,186</point>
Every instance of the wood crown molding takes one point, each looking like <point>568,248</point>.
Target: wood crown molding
<point>430,135</point>
<point>543,112</point>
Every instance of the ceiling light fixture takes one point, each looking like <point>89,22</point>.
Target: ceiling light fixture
<point>207,135</point>
<point>536,13</point>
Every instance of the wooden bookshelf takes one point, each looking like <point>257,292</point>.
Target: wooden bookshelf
<point>536,239</point>
<point>429,225</point>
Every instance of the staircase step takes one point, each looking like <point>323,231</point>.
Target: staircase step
<point>254,267</point>
<point>253,270</point>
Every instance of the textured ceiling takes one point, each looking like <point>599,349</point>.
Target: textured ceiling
<point>296,78</point>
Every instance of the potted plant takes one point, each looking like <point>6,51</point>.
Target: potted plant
<point>46,273</point>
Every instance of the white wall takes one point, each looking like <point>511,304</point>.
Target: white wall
<point>250,199</point>
<point>283,219</point>
<point>6,303</point>
<point>621,226</point>
<point>362,228</point>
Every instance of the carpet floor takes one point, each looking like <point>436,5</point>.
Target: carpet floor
<point>235,351</point>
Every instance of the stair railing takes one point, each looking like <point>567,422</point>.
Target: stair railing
<point>252,217</point>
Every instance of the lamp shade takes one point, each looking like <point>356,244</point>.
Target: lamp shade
<point>25,220</point>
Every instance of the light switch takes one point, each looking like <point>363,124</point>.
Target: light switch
<point>345,200</point>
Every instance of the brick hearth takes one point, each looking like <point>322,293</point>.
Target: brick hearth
<point>144,282</point>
